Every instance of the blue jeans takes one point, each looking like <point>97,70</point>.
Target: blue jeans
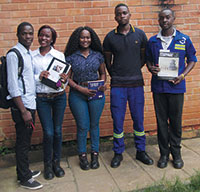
<point>135,98</point>
<point>51,113</point>
<point>87,115</point>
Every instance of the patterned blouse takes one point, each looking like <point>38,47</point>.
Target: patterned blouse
<point>85,68</point>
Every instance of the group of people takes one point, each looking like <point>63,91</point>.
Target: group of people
<point>124,52</point>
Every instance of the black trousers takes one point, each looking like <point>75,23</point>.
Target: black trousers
<point>23,142</point>
<point>168,108</point>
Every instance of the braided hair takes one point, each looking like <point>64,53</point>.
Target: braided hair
<point>73,43</point>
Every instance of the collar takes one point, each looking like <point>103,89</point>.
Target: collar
<point>78,52</point>
<point>159,36</point>
<point>51,52</point>
<point>132,29</point>
<point>22,48</point>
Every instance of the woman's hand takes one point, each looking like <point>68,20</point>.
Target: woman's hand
<point>102,88</point>
<point>88,92</point>
<point>44,74</point>
<point>64,77</point>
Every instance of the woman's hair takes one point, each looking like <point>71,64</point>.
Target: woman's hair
<point>53,32</point>
<point>73,43</point>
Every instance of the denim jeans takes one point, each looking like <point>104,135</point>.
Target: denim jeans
<point>51,113</point>
<point>87,115</point>
<point>23,143</point>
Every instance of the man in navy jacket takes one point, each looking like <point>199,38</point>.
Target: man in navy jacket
<point>168,95</point>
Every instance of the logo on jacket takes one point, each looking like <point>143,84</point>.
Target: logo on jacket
<point>182,41</point>
<point>181,46</point>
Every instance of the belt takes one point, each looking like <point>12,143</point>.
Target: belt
<point>50,95</point>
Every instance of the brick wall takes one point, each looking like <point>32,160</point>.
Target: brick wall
<point>66,15</point>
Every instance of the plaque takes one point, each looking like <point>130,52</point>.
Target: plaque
<point>55,68</point>
<point>169,64</point>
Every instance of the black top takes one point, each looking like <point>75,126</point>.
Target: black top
<point>126,67</point>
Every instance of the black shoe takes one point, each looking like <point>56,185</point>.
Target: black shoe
<point>116,160</point>
<point>178,162</point>
<point>58,171</point>
<point>144,158</point>
<point>162,162</point>
<point>48,172</point>
<point>34,175</point>
<point>84,164</point>
<point>31,184</point>
<point>94,160</point>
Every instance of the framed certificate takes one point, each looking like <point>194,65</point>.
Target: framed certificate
<point>169,65</point>
<point>55,68</point>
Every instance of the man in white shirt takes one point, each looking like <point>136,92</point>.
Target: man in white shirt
<point>23,114</point>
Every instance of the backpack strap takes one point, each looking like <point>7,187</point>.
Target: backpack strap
<point>20,66</point>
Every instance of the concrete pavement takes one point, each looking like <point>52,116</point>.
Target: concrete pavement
<point>131,175</point>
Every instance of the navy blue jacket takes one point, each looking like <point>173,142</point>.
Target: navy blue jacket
<point>181,43</point>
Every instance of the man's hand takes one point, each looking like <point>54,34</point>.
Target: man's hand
<point>177,80</point>
<point>27,117</point>
<point>154,69</point>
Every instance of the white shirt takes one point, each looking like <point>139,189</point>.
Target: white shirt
<point>166,40</point>
<point>41,63</point>
<point>15,85</point>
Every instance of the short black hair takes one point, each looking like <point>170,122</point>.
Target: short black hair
<point>73,42</point>
<point>167,8</point>
<point>120,5</point>
<point>53,32</point>
<point>21,25</point>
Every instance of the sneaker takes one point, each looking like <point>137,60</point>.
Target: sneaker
<point>31,184</point>
<point>34,174</point>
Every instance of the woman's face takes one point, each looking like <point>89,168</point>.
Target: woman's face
<point>85,39</point>
<point>45,37</point>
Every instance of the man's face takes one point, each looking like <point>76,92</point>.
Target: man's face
<point>122,15</point>
<point>166,19</point>
<point>25,36</point>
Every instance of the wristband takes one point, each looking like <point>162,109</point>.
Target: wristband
<point>183,76</point>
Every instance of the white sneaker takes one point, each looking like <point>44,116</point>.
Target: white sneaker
<point>31,184</point>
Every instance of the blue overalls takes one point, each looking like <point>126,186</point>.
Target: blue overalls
<point>135,98</point>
